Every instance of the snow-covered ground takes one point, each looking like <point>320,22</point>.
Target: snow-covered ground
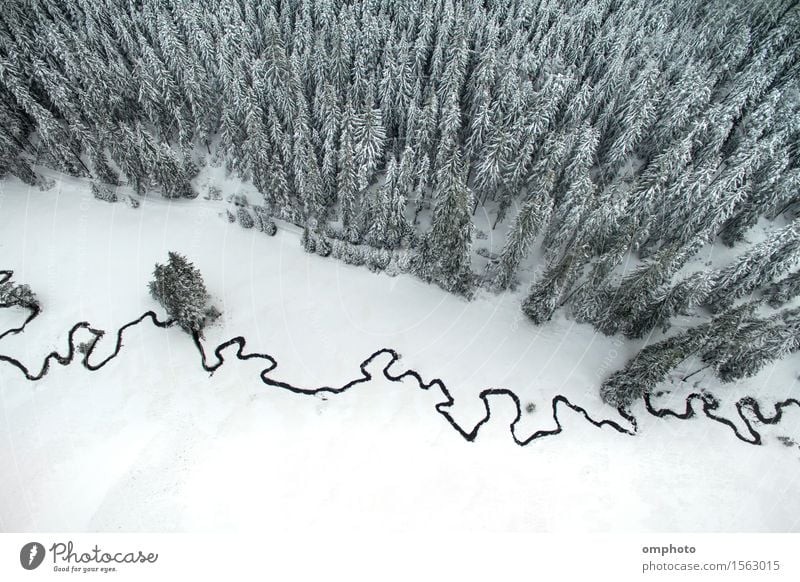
<point>152,443</point>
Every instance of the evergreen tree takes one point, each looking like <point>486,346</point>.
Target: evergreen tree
<point>347,177</point>
<point>643,373</point>
<point>307,241</point>
<point>530,220</point>
<point>546,295</point>
<point>759,266</point>
<point>388,223</point>
<point>784,290</point>
<point>368,136</point>
<point>178,286</point>
<point>763,343</point>
<point>446,257</point>
<point>244,217</point>
<point>664,304</point>
<point>635,299</point>
<point>18,294</point>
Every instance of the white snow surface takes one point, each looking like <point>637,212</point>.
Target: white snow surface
<point>151,442</point>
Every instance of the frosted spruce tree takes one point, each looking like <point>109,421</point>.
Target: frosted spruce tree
<point>445,253</point>
<point>178,286</point>
<point>784,290</point>
<point>759,266</point>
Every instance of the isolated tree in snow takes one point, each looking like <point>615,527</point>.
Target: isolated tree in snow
<point>17,294</point>
<point>178,286</point>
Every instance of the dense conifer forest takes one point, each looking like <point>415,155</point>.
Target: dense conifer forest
<point>615,139</point>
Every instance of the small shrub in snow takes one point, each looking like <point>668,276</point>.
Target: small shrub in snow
<point>307,241</point>
<point>378,259</point>
<point>337,249</point>
<point>392,269</point>
<point>405,262</point>
<point>103,192</point>
<point>261,217</point>
<point>189,192</point>
<point>353,256</point>
<point>21,295</point>
<point>212,314</point>
<point>134,203</point>
<point>45,183</point>
<point>245,218</point>
<point>178,286</point>
<point>229,215</point>
<point>214,193</point>
<point>270,228</point>
<point>323,246</point>
<point>480,235</point>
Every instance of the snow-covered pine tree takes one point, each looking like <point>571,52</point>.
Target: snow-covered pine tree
<point>773,192</point>
<point>388,224</point>
<point>765,342</point>
<point>18,294</point>
<point>728,330</point>
<point>446,256</point>
<point>666,303</point>
<point>347,177</point>
<point>368,137</point>
<point>244,217</point>
<point>546,296</point>
<point>637,292</point>
<point>307,240</point>
<point>651,366</point>
<point>529,222</point>
<point>758,266</point>
<point>178,286</point>
<point>305,167</point>
<point>784,290</point>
